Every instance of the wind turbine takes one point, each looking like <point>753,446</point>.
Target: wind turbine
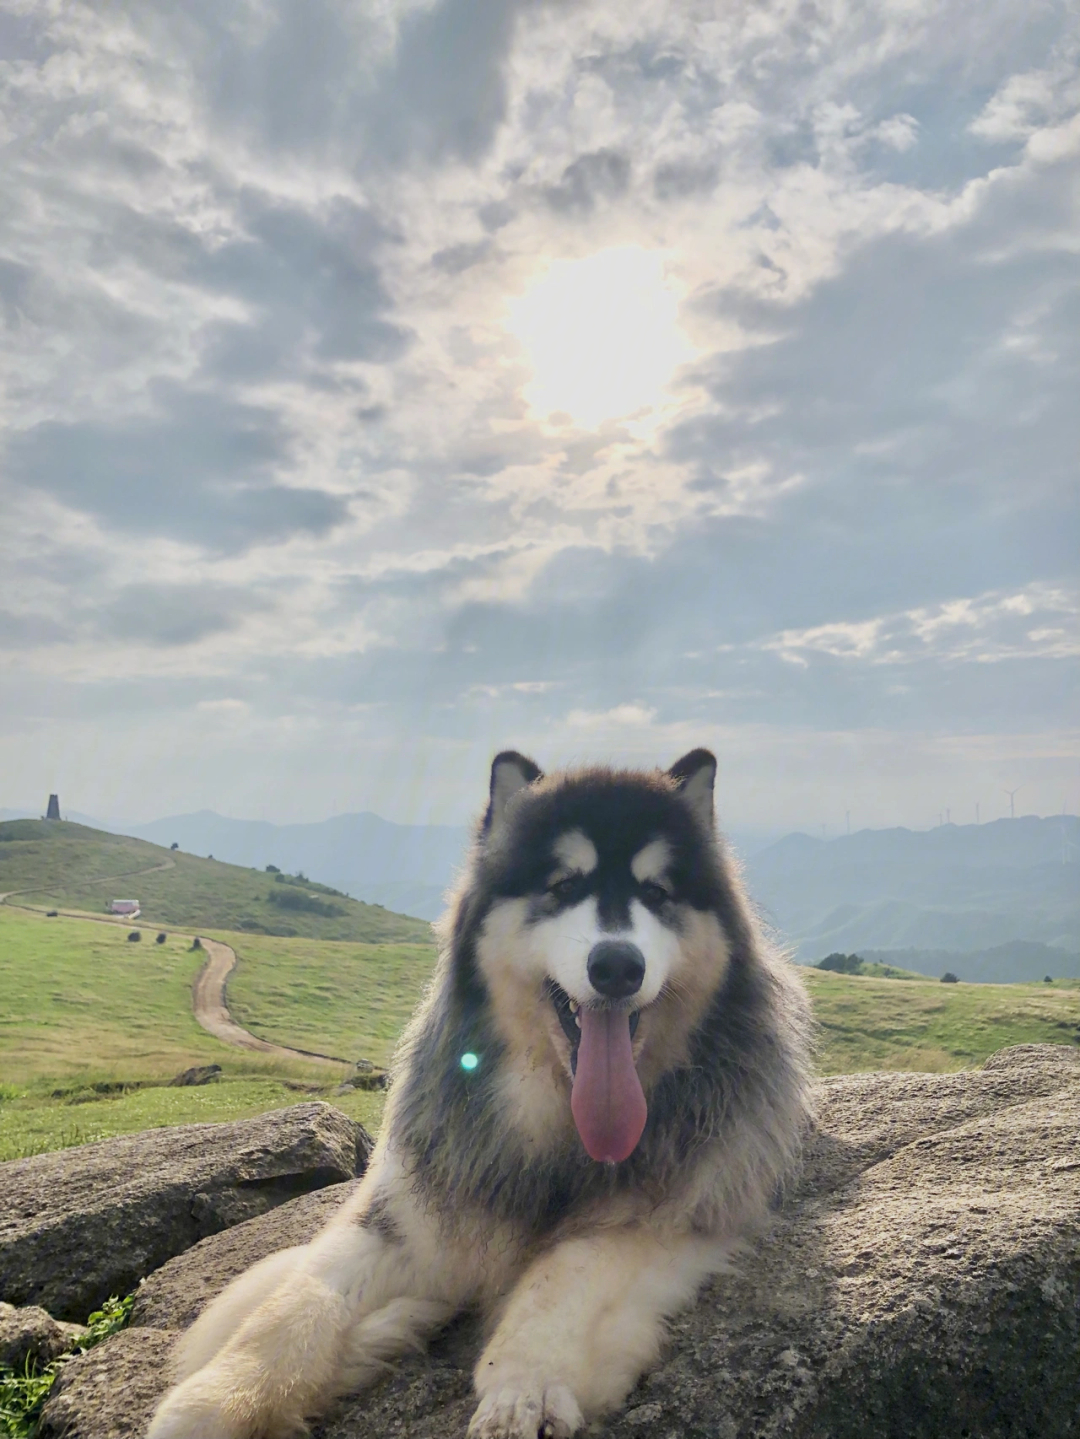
<point>1012,793</point>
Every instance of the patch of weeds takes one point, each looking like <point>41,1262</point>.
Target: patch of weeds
<point>23,1395</point>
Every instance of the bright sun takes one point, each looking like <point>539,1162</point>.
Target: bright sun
<point>602,336</point>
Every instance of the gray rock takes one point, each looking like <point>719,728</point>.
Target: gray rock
<point>922,1281</point>
<point>84,1223</point>
<point>32,1334</point>
<point>174,1296</point>
<point>109,1392</point>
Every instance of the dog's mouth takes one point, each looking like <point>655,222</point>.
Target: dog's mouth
<point>607,1101</point>
<point>569,1014</point>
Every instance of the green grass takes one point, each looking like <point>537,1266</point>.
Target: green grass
<point>919,1024</point>
<point>85,1011</point>
<point>347,999</point>
<point>92,1027</point>
<point>54,864</point>
<point>82,1004</point>
<point>36,1121</point>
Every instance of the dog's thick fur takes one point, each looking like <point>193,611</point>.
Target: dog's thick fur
<point>480,1191</point>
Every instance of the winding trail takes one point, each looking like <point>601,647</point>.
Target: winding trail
<point>208,992</point>
<point>209,1002</point>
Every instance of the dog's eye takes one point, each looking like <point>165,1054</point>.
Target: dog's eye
<point>563,888</point>
<point>654,894</point>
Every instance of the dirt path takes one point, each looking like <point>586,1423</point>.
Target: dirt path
<point>212,1011</point>
<point>208,996</point>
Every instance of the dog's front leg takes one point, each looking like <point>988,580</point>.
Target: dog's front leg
<point>581,1325</point>
<point>310,1324</point>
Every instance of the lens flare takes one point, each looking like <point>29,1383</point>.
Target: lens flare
<point>470,1061</point>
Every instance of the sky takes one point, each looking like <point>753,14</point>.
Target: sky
<point>385,384</point>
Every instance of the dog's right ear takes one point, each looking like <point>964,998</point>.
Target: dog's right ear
<point>510,772</point>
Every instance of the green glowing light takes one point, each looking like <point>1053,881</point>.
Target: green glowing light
<point>470,1061</point>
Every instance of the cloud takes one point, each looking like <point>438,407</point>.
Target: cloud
<point>200,469</point>
<point>1040,623</point>
<point>601,175</point>
<point>176,614</point>
<point>264,420</point>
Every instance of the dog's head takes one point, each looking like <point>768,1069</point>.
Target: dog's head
<point>602,939</point>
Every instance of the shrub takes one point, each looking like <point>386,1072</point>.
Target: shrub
<point>949,978</point>
<point>1048,979</point>
<point>174,845</point>
<point>297,900</point>
<point>842,963</point>
<point>272,869</point>
<point>134,936</point>
<point>161,938</point>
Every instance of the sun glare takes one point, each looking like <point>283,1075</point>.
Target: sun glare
<point>602,336</point>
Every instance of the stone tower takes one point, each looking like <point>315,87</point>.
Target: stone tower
<point>53,812</point>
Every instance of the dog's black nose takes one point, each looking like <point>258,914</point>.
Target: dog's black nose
<point>616,968</point>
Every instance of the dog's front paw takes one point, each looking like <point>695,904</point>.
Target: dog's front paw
<point>202,1408</point>
<point>526,1410</point>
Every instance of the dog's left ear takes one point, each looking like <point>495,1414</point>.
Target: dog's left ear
<point>510,772</point>
<point>695,775</point>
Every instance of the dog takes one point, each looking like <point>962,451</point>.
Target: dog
<point>596,1102</point>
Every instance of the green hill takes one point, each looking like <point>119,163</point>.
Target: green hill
<point>92,1028</point>
<point>54,864</point>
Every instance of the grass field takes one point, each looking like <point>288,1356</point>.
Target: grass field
<point>54,864</point>
<point>92,1027</point>
<point>922,1024</point>
<point>301,992</point>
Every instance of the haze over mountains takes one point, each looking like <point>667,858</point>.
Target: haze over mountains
<point>913,896</point>
<point>998,902</point>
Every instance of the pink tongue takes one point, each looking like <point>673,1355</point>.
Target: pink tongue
<point>607,1101</point>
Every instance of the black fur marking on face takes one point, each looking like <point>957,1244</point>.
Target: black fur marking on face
<point>619,815</point>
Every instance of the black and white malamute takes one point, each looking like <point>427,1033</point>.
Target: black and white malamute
<point>601,1093</point>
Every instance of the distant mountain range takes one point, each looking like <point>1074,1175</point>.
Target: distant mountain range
<point>1013,963</point>
<point>965,891</point>
<point>959,889</point>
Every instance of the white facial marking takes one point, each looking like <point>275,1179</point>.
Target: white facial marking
<point>558,948</point>
<point>576,852</point>
<point>652,861</point>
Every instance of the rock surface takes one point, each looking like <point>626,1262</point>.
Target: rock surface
<point>84,1223</point>
<point>175,1296</point>
<point>110,1392</point>
<point>921,1282</point>
<point>31,1333</point>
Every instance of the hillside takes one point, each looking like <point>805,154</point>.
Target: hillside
<point>1020,961</point>
<point>53,863</point>
<point>955,888</point>
<point>94,1027</point>
<point>406,867</point>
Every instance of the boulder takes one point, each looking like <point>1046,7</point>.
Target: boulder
<point>30,1333</point>
<point>921,1280</point>
<point>84,1223</point>
<point>175,1295</point>
<point>109,1392</point>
